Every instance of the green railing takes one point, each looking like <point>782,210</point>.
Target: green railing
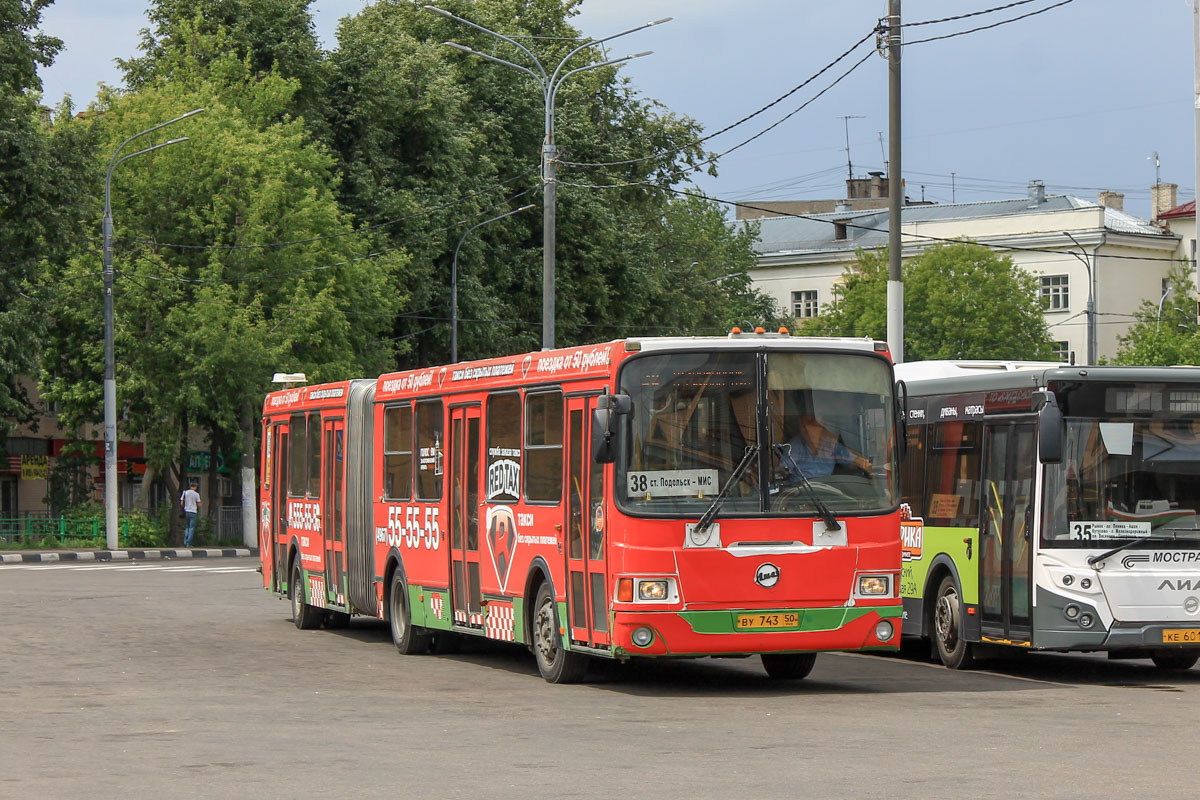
<point>26,531</point>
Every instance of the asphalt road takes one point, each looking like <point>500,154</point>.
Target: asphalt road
<point>187,680</point>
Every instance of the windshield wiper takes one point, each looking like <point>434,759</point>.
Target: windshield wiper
<point>1094,560</point>
<point>831,523</point>
<point>734,476</point>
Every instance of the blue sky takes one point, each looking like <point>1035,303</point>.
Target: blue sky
<point>1079,97</point>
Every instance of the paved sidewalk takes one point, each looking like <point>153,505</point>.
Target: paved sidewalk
<point>128,554</point>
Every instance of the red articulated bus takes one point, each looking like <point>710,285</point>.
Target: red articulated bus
<point>661,497</point>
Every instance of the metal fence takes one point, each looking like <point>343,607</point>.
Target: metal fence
<point>35,529</point>
<point>229,523</point>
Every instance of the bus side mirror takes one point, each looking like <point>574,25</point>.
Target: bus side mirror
<point>604,425</point>
<point>1050,428</point>
<point>901,419</point>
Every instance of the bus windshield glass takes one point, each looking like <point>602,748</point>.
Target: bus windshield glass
<point>1122,479</point>
<point>824,417</point>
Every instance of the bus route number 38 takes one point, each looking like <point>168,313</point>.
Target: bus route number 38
<point>413,526</point>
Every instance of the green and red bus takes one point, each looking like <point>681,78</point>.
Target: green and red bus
<point>1052,507</point>
<point>637,498</point>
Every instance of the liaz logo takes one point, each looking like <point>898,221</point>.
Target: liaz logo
<point>1181,585</point>
<point>1130,560</point>
<point>767,575</point>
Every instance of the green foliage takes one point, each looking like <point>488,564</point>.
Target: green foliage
<point>208,305</point>
<point>418,126</point>
<point>1170,339</point>
<point>140,530</point>
<point>42,172</point>
<point>961,301</point>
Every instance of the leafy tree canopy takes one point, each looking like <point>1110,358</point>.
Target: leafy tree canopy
<point>961,301</point>
<point>233,261</point>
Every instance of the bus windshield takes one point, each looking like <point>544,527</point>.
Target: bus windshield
<point>824,417</point>
<point>1124,479</point>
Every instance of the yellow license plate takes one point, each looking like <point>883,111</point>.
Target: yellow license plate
<point>768,621</point>
<point>1181,636</point>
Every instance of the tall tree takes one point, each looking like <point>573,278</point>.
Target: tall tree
<point>270,36</point>
<point>961,301</point>
<point>1165,335</point>
<point>233,261</point>
<point>432,141</point>
<point>42,175</point>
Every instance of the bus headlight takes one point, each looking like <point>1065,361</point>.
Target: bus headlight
<point>874,585</point>
<point>652,590</point>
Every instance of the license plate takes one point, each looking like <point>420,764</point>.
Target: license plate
<point>768,621</point>
<point>1181,636</point>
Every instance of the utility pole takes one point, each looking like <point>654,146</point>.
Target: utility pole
<point>895,285</point>
<point>849,168</point>
<point>1196,126</point>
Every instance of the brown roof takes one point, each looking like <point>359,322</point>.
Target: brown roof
<point>1188,209</point>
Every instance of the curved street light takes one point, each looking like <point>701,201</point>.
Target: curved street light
<point>110,382</point>
<point>550,85</point>
<point>454,279</point>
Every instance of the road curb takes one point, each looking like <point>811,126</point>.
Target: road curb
<point>129,554</point>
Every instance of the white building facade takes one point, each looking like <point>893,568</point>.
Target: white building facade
<point>1075,248</point>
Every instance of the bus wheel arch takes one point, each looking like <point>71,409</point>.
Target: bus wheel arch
<point>948,618</point>
<point>408,638</point>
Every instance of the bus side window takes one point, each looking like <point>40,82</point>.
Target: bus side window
<point>314,454</point>
<point>429,450</point>
<point>543,447</point>
<point>298,458</point>
<point>912,471</point>
<point>952,477</point>
<point>397,452</point>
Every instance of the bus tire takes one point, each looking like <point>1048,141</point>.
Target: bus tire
<point>788,666</point>
<point>555,663</point>
<point>409,640</point>
<point>305,616</point>
<point>954,651</point>
<point>1179,661</point>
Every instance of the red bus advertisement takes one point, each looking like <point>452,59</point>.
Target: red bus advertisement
<point>655,497</point>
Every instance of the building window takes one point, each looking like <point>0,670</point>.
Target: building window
<point>804,304</point>
<point>1062,351</point>
<point>1055,293</point>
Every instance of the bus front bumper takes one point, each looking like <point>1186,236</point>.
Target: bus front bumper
<point>740,632</point>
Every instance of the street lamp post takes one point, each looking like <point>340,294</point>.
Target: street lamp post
<point>110,382</point>
<point>550,85</point>
<point>454,279</point>
<point>1161,300</point>
<point>1091,302</point>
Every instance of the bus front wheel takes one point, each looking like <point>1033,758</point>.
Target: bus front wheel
<point>954,651</point>
<point>1176,661</point>
<point>557,664</point>
<point>788,666</point>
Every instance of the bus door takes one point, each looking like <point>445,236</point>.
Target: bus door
<point>587,574</point>
<point>333,472</point>
<point>464,515</point>
<point>279,484</point>
<point>1006,530</point>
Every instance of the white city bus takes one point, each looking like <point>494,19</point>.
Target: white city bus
<point>1052,508</point>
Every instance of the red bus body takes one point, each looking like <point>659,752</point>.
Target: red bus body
<point>473,484</point>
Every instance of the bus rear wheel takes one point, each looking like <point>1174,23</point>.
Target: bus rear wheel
<point>788,666</point>
<point>557,664</point>
<point>305,616</point>
<point>954,651</point>
<point>1176,661</point>
<point>406,636</point>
